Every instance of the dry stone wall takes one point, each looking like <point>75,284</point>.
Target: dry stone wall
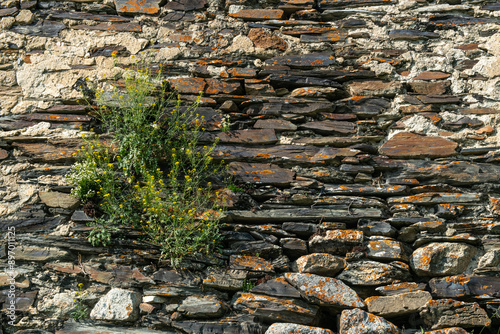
<point>364,133</point>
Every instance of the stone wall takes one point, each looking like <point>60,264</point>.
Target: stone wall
<point>364,133</point>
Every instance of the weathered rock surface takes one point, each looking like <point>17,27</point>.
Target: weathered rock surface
<point>324,291</point>
<point>409,145</point>
<point>202,307</point>
<point>294,328</point>
<point>398,304</point>
<point>323,264</point>
<point>277,309</point>
<point>374,273</point>
<point>360,322</point>
<point>444,313</point>
<point>117,305</point>
<point>441,259</point>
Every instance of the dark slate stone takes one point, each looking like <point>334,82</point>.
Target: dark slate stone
<point>301,229</point>
<point>287,154</point>
<point>412,35</point>
<point>439,99</point>
<point>450,21</point>
<point>206,327</point>
<point>330,127</point>
<point>186,5</point>
<point>279,108</point>
<point>28,4</point>
<point>331,36</point>
<point>57,118</point>
<point>8,11</point>
<point>179,16</point>
<point>454,173</point>
<point>81,217</point>
<point>303,61</point>
<point>333,4</point>
<point>491,6</point>
<point>41,28</point>
<point>130,27</point>
<point>261,173</point>
<point>88,16</point>
<point>293,81</point>
<point>277,287</point>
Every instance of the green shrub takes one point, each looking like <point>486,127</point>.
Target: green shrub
<point>151,174</point>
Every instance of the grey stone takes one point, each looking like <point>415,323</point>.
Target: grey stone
<point>444,313</point>
<point>323,264</point>
<point>59,305</point>
<point>374,273</point>
<point>59,200</point>
<point>117,305</point>
<point>336,241</point>
<point>275,309</point>
<point>296,329</point>
<point>325,291</point>
<point>357,321</point>
<point>442,259</point>
<point>399,304</point>
<point>36,253</point>
<point>202,307</point>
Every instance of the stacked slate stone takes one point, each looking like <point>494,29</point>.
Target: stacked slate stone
<point>364,134</point>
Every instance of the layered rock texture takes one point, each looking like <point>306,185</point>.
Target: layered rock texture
<point>364,134</point>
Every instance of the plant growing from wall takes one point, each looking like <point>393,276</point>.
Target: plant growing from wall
<point>150,172</point>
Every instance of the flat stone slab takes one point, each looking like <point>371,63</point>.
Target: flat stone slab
<point>286,154</point>
<point>258,14</point>
<point>277,287</point>
<point>431,198</point>
<point>115,27</point>
<point>325,291</point>
<point>250,136</point>
<point>275,124</point>
<point>89,16</point>
<point>432,75</point>
<point>443,313</point>
<point>186,5</point>
<point>363,190</point>
<point>226,326</point>
<point>398,304</point>
<point>442,259</point>
<point>300,214</point>
<point>257,173</point>
<point>296,329</point>
<point>133,7</point>
<point>323,264</point>
<point>40,253</point>
<point>357,321</point>
<point>202,307</point>
<point>461,286</point>
<point>374,88</point>
<point>188,85</point>
<point>398,288</point>
<point>336,241</point>
<point>369,273</point>
<point>250,263</point>
<point>311,60</point>
<point>118,276</point>
<point>41,28</point>
<point>386,249</point>
<point>231,280</point>
<point>56,199</point>
<point>330,127</point>
<point>277,309</point>
<point>411,35</point>
<point>410,145</point>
